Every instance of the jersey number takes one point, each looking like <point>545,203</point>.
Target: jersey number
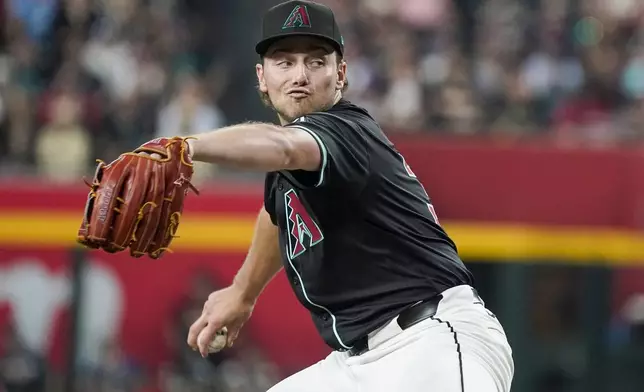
<point>411,174</point>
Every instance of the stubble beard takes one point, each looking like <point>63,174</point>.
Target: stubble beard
<point>293,109</point>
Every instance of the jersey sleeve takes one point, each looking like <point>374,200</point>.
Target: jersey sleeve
<point>343,150</point>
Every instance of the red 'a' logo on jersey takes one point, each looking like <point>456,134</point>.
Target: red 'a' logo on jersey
<point>304,233</point>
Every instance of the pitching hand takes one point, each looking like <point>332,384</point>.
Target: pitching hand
<point>224,308</point>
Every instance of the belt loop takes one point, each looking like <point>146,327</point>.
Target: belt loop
<point>360,347</point>
<point>477,298</point>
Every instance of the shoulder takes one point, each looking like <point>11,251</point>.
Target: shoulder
<point>344,119</point>
<point>269,179</point>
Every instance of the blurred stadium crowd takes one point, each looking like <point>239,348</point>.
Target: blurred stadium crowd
<point>97,77</point>
<point>86,79</point>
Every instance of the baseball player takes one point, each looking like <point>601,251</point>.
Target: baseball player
<point>354,230</point>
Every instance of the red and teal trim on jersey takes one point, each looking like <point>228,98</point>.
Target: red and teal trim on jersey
<point>299,222</point>
<point>323,151</point>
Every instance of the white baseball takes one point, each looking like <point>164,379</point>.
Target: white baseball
<point>218,343</point>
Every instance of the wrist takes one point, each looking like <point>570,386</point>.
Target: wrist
<point>247,295</point>
<point>191,148</point>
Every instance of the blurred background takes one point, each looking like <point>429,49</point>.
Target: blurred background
<point>524,119</point>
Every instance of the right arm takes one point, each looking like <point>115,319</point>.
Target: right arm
<point>263,261</point>
<point>258,146</point>
<point>231,307</point>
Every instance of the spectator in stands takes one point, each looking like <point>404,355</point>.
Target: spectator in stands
<point>402,101</point>
<point>189,112</point>
<point>36,16</point>
<point>20,92</point>
<point>63,145</point>
<point>511,68</point>
<point>17,126</point>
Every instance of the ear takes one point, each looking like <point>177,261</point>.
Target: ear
<point>342,75</point>
<point>259,69</point>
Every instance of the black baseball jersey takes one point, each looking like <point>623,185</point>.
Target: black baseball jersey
<point>360,240</point>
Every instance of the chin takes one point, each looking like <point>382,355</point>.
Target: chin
<point>291,113</point>
<point>299,109</point>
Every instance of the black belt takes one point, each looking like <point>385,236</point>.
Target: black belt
<point>408,317</point>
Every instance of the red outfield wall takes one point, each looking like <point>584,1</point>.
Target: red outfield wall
<point>502,203</point>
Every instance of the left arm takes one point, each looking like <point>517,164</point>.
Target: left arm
<point>258,146</point>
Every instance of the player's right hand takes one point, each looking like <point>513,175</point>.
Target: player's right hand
<point>224,308</point>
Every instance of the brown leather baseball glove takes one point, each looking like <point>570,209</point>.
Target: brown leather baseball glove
<point>136,201</point>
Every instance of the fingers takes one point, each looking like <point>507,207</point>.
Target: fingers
<point>202,333</point>
<point>206,336</point>
<point>232,336</point>
<point>194,331</point>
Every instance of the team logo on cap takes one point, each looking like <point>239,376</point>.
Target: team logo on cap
<point>299,17</point>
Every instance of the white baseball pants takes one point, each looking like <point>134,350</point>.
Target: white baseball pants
<point>463,348</point>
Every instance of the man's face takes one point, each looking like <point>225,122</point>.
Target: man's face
<point>300,75</point>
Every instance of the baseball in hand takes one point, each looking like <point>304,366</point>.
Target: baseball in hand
<point>219,341</point>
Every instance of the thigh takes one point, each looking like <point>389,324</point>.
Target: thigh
<point>430,359</point>
<point>440,372</point>
<point>484,341</point>
<point>477,378</point>
<point>330,374</point>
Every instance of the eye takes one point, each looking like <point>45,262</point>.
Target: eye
<point>283,63</point>
<point>317,62</point>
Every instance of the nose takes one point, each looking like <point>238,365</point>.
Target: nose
<point>301,75</point>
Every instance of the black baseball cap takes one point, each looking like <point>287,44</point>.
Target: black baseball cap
<point>299,17</point>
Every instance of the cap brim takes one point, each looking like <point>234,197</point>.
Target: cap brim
<point>262,46</point>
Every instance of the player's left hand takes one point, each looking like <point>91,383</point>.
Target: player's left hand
<point>136,201</point>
